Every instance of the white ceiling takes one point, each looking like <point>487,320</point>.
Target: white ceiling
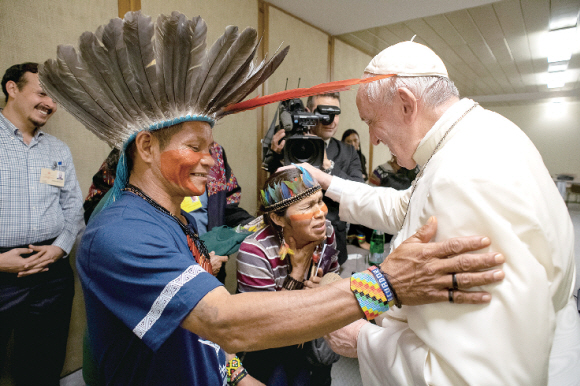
<point>337,17</point>
<point>494,50</point>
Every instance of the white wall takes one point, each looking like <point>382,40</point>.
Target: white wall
<point>554,130</point>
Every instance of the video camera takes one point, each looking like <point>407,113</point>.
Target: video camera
<point>297,122</point>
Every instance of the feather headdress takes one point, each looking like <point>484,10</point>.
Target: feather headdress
<point>133,74</point>
<point>282,194</point>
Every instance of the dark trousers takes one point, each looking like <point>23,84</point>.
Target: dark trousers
<point>38,309</point>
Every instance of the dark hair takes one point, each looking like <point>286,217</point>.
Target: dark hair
<point>347,134</point>
<point>310,100</point>
<point>277,178</point>
<point>16,74</point>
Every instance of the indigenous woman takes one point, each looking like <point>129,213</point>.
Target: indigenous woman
<point>292,252</point>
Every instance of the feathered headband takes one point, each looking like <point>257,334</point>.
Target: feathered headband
<point>133,74</point>
<point>282,194</point>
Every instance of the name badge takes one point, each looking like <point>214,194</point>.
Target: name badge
<point>51,177</point>
<point>189,204</point>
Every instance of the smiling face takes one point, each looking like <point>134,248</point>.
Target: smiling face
<point>31,105</point>
<point>185,162</point>
<point>305,220</point>
<point>326,131</point>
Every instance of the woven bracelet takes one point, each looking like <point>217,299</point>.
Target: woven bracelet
<point>368,293</point>
<point>292,284</point>
<point>383,283</point>
<point>238,377</point>
<point>397,300</point>
<point>233,365</point>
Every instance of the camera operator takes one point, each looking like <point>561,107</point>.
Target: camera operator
<point>340,160</point>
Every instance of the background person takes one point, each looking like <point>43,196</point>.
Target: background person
<point>358,234</point>
<point>39,221</point>
<point>393,175</point>
<point>351,137</point>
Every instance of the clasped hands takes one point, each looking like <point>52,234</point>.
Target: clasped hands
<point>13,262</point>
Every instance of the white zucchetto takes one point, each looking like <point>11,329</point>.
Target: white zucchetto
<point>407,59</point>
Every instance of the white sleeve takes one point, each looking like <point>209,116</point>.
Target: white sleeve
<point>505,342</point>
<point>374,207</point>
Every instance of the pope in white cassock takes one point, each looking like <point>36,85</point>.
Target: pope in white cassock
<point>480,174</point>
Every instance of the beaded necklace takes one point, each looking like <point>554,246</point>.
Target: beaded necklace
<point>431,156</point>
<point>195,244</point>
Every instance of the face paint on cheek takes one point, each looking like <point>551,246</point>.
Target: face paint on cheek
<point>309,215</point>
<point>302,216</point>
<point>176,166</point>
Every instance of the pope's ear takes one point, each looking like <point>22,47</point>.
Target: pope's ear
<point>408,104</point>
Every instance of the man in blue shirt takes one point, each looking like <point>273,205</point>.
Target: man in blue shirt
<point>40,209</point>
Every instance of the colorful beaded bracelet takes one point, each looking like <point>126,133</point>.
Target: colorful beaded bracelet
<point>232,366</point>
<point>368,293</point>
<point>383,283</point>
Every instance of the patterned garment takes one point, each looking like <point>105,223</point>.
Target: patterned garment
<point>217,177</point>
<point>31,211</point>
<point>260,267</point>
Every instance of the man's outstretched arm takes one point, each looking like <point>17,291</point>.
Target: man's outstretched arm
<point>255,321</point>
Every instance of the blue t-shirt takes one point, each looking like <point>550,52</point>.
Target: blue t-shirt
<point>140,281</point>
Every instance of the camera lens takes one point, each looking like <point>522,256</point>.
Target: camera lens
<point>303,151</point>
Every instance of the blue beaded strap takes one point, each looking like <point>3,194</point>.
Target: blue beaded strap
<point>382,280</point>
<point>178,120</point>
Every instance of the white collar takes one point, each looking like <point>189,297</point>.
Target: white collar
<point>434,135</point>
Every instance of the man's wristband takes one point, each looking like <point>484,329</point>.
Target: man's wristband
<point>235,371</point>
<point>397,300</point>
<point>383,283</point>
<point>371,298</point>
<point>237,377</point>
<point>292,284</point>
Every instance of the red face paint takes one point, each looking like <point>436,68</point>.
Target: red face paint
<point>177,165</point>
<point>309,215</point>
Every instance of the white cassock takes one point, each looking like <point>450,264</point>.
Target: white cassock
<point>487,178</point>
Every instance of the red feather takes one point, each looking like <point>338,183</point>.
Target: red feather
<point>338,85</point>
